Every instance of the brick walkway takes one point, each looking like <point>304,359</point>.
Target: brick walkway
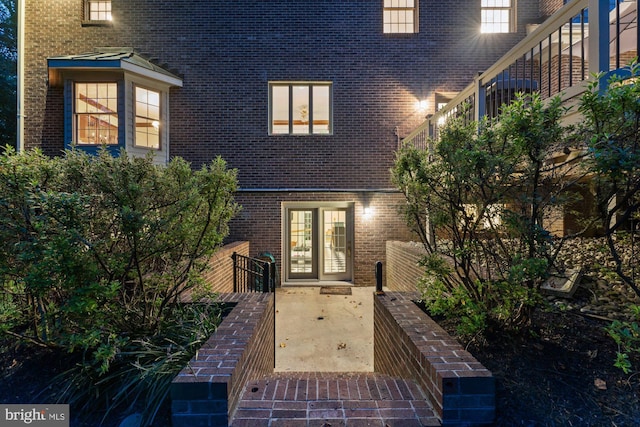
<point>332,400</point>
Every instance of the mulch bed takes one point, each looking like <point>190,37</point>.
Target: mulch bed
<point>560,372</point>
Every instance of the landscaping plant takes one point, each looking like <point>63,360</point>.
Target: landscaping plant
<point>97,251</point>
<point>627,335</point>
<point>482,200</point>
<point>611,131</point>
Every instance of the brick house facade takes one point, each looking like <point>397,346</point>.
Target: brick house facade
<point>218,67</point>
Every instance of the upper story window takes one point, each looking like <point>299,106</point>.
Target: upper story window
<point>97,10</point>
<point>300,108</point>
<point>95,113</point>
<point>497,16</point>
<point>400,16</point>
<point>147,124</point>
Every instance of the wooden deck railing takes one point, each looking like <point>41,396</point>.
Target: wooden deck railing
<point>558,57</point>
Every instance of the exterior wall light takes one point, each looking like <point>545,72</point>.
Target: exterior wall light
<point>367,213</point>
<point>421,105</point>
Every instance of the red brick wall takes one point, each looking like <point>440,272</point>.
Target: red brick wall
<point>207,391</point>
<point>53,27</point>
<point>409,344</point>
<point>562,65</point>
<point>402,270</point>
<point>260,222</point>
<point>549,7</point>
<point>219,276</point>
<point>228,52</point>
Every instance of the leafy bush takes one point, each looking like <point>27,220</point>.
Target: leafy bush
<point>481,200</point>
<point>611,133</point>
<point>140,373</point>
<point>97,250</point>
<point>627,335</point>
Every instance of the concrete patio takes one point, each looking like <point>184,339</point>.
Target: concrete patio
<point>317,332</point>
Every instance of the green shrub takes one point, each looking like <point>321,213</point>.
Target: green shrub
<point>627,335</point>
<point>480,199</point>
<point>97,251</point>
<point>610,132</point>
<point>140,371</point>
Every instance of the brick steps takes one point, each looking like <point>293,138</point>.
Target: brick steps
<point>333,399</point>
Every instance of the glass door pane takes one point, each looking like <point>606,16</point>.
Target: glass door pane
<point>319,243</point>
<point>335,242</point>
<point>301,256</point>
<point>337,239</point>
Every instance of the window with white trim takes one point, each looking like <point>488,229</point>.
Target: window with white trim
<point>300,108</point>
<point>400,16</point>
<point>97,10</point>
<point>147,113</point>
<point>95,113</point>
<point>497,16</point>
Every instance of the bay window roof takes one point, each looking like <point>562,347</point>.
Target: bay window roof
<point>109,59</point>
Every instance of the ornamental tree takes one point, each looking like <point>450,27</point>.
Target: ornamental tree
<point>482,200</point>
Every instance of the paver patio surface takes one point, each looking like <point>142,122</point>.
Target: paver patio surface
<point>333,399</point>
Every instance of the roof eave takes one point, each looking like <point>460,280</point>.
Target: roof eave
<point>57,66</point>
<point>164,77</point>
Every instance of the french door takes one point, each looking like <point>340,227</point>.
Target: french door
<point>319,242</point>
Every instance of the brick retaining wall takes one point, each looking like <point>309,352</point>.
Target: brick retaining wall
<point>402,270</point>
<point>219,275</point>
<point>409,344</point>
<point>219,278</point>
<point>206,392</point>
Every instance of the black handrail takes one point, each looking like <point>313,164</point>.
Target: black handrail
<point>252,274</point>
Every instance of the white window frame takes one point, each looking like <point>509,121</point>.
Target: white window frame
<point>392,9</point>
<point>126,113</point>
<point>291,108</point>
<point>101,110</point>
<point>156,121</point>
<point>495,6</point>
<point>97,10</point>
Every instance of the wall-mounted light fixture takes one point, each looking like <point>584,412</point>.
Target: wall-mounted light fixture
<point>421,105</point>
<point>367,213</point>
<point>367,210</point>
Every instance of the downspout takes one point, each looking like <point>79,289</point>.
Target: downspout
<point>20,9</point>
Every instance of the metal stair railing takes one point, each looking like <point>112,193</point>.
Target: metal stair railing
<point>252,274</point>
